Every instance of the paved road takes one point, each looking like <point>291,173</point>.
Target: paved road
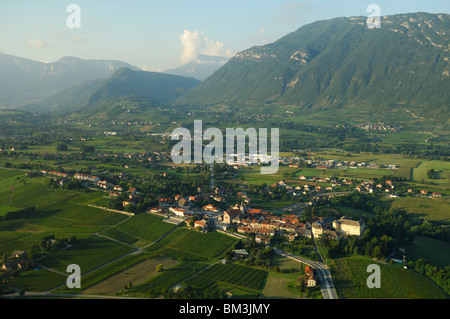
<point>327,287</point>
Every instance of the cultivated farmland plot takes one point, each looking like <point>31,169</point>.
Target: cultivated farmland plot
<point>237,275</point>
<point>350,276</point>
<point>147,227</point>
<point>88,254</point>
<point>186,241</point>
<point>167,279</point>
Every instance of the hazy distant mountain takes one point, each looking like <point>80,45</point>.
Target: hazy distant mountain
<point>23,80</point>
<point>200,68</point>
<point>341,62</point>
<point>155,87</point>
<point>158,87</point>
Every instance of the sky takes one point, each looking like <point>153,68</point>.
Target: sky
<point>157,35</point>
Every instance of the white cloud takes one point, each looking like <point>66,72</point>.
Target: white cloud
<point>40,43</point>
<point>150,69</point>
<point>195,43</point>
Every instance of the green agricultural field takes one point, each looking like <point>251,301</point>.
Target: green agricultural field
<point>441,168</point>
<point>277,287</point>
<point>274,205</point>
<point>6,236</point>
<point>26,240</point>
<point>195,244</point>
<point>308,172</point>
<point>167,279</point>
<point>7,209</point>
<point>38,195</point>
<point>8,173</point>
<point>285,263</point>
<point>241,276</point>
<point>434,209</point>
<point>138,273</point>
<point>367,173</point>
<point>38,280</point>
<point>350,279</point>
<point>109,271</point>
<point>145,226</point>
<point>252,175</point>
<point>402,136</point>
<point>88,254</point>
<point>116,234</point>
<point>87,198</point>
<point>100,202</point>
<point>437,252</point>
<point>84,215</point>
<point>406,169</point>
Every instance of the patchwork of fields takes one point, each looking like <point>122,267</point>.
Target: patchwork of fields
<point>113,249</point>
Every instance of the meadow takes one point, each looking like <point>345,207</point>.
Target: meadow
<point>441,168</point>
<point>276,287</point>
<point>433,209</point>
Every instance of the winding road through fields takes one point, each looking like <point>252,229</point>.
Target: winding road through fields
<point>327,286</point>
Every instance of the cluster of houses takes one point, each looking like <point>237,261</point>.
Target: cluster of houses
<point>86,177</point>
<point>306,189</point>
<point>377,127</point>
<point>143,157</point>
<point>295,162</point>
<point>56,174</point>
<point>424,192</point>
<point>17,261</point>
<point>389,188</point>
<point>116,190</point>
<point>264,225</point>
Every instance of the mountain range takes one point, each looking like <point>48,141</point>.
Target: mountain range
<point>157,88</point>
<point>23,80</point>
<point>331,64</point>
<point>341,62</point>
